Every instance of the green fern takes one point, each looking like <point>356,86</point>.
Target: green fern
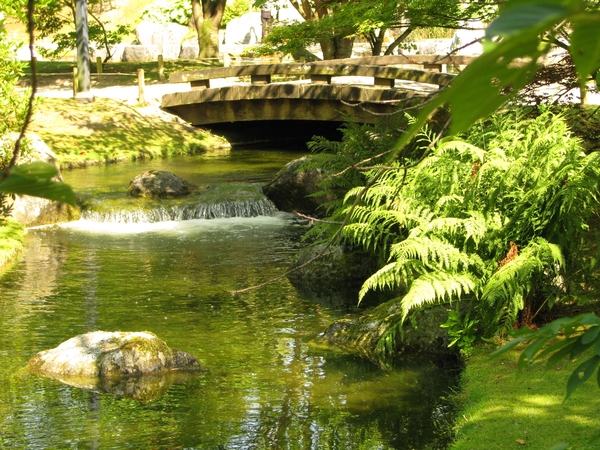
<point>444,226</point>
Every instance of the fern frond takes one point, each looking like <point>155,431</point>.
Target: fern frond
<point>432,252</point>
<point>390,277</point>
<point>514,279</point>
<point>461,148</point>
<point>437,287</point>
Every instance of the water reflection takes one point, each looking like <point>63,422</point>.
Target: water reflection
<point>145,388</point>
<point>266,383</point>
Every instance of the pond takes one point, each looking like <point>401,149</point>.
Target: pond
<point>266,380</point>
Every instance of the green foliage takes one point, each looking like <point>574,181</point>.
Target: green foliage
<point>370,20</point>
<point>496,216</point>
<point>462,331</point>
<point>572,338</point>
<point>487,217</point>
<point>522,33</point>
<point>237,8</point>
<point>36,179</point>
<point>164,11</point>
<point>56,19</point>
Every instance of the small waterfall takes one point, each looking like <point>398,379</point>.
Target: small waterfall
<point>217,209</point>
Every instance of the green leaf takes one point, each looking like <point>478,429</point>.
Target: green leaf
<point>35,179</point>
<point>560,355</point>
<point>533,348</point>
<point>584,44</point>
<point>582,374</point>
<point>524,17</point>
<point>491,80</point>
<point>590,335</point>
<point>506,347</point>
<point>579,347</point>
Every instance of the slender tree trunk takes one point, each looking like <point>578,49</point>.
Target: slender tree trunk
<point>398,41</point>
<point>83,53</point>
<point>377,44</point>
<point>207,15</point>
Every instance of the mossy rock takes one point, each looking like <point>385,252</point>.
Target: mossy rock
<point>111,354</point>
<point>420,333</point>
<point>333,279</point>
<point>292,189</point>
<point>160,184</point>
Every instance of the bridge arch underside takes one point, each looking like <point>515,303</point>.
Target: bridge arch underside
<point>273,103</point>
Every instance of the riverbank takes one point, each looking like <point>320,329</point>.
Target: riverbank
<point>11,241</point>
<point>503,408</point>
<point>109,130</point>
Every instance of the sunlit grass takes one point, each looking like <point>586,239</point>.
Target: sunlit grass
<point>110,131</point>
<point>503,408</point>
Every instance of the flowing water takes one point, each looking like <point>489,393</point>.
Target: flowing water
<point>267,382</point>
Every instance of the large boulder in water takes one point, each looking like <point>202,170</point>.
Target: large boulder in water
<point>111,355</point>
<point>292,188</point>
<point>161,184</point>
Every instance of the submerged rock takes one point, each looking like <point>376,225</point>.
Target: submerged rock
<point>422,333</point>
<point>334,275</point>
<point>161,184</point>
<point>111,355</point>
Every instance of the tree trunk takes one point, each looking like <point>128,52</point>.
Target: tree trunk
<point>337,47</point>
<point>206,15</point>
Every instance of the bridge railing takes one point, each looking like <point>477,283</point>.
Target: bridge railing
<point>383,69</point>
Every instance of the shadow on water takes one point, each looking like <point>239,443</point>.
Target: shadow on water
<point>267,381</point>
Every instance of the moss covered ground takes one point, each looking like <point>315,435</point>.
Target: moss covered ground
<point>501,408</point>
<point>109,130</point>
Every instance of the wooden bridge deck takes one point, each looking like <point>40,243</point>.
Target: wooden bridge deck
<point>313,91</point>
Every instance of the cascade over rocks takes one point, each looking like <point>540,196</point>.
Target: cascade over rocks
<point>291,188</point>
<point>161,184</point>
<point>111,354</point>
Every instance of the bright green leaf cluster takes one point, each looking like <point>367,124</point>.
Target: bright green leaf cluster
<point>36,179</point>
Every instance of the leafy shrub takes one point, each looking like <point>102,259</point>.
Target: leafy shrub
<point>496,217</point>
<point>164,11</point>
<point>13,108</point>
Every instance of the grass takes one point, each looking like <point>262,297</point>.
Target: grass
<point>503,409</point>
<point>109,131</point>
<point>11,240</point>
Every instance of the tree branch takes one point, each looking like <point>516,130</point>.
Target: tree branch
<point>17,148</point>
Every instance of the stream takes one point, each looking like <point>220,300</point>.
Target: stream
<point>267,381</point>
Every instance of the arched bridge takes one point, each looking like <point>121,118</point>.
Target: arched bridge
<point>322,91</point>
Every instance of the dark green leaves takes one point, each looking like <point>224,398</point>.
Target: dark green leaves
<point>572,338</point>
<point>36,179</point>
<point>526,16</point>
<point>584,43</point>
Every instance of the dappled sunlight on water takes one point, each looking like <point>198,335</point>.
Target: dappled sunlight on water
<point>263,383</point>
